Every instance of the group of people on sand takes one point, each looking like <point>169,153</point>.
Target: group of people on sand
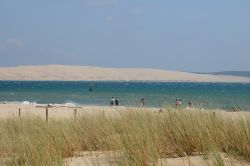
<point>114,101</point>
<point>178,103</point>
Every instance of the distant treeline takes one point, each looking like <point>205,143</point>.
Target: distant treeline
<point>231,73</point>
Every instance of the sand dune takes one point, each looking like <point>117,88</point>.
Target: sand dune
<point>67,73</point>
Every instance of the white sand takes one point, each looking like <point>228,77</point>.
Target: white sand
<point>104,159</point>
<point>60,72</point>
<point>61,112</point>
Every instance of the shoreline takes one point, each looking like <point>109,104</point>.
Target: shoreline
<point>80,105</point>
<point>68,112</point>
<point>61,112</point>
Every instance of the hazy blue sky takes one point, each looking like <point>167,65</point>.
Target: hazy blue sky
<point>186,35</point>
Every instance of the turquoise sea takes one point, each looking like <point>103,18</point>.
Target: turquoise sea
<point>203,95</point>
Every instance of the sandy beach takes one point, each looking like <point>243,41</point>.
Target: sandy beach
<point>87,73</point>
<point>56,112</point>
<point>68,112</point>
<point>104,158</point>
<point>60,111</point>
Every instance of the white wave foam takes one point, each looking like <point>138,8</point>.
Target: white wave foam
<point>3,102</point>
<point>69,104</point>
<point>26,103</point>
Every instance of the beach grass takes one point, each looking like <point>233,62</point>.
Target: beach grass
<point>132,137</point>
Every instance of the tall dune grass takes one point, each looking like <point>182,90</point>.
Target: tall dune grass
<point>138,137</point>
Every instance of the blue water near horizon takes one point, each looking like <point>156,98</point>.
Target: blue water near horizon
<point>157,94</point>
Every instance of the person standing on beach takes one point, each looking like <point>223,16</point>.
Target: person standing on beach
<point>142,102</point>
<point>112,102</point>
<point>180,102</point>
<point>116,102</point>
<point>190,105</point>
<point>176,103</point>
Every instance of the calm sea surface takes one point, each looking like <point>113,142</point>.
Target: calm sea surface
<point>205,95</point>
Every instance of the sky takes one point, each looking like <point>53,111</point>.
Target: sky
<point>183,35</point>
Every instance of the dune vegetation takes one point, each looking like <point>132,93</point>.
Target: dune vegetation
<point>132,138</point>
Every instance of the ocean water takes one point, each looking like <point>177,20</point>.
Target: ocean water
<point>202,95</point>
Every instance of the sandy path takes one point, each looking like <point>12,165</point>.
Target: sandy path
<point>105,158</point>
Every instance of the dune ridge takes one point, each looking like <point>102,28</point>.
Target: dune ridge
<point>90,73</point>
